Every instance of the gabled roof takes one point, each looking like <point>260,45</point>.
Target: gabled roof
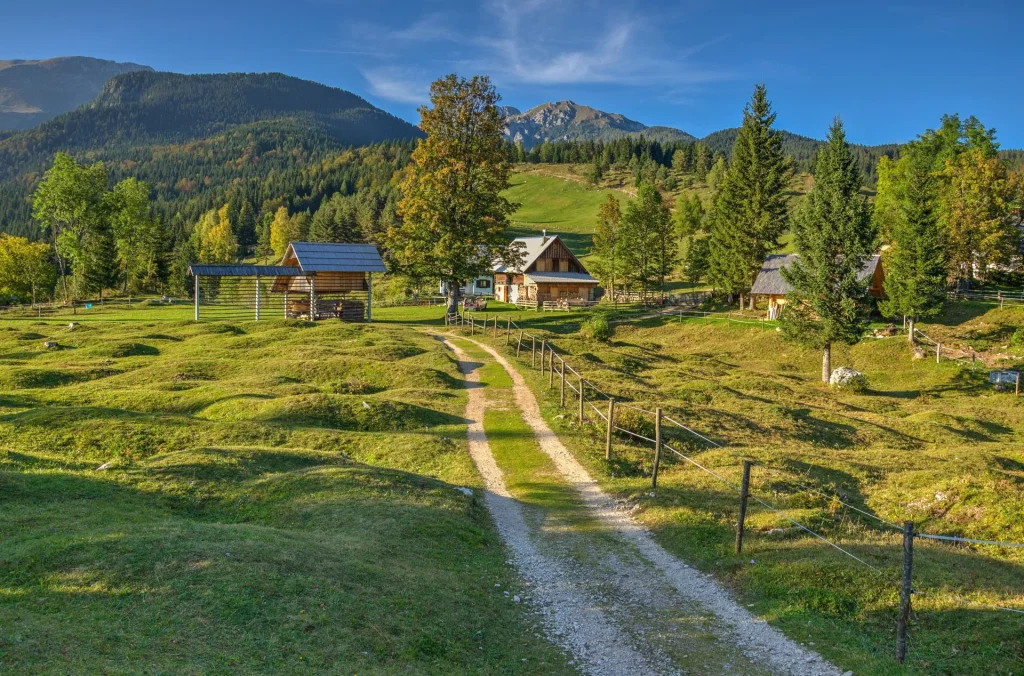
<point>535,246</point>
<point>556,277</point>
<point>769,281</point>
<point>244,270</point>
<point>335,257</point>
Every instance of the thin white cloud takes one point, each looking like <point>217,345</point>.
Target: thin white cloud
<point>395,85</point>
<point>430,28</point>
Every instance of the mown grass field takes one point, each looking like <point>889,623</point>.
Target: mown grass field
<point>935,444</point>
<point>271,497</point>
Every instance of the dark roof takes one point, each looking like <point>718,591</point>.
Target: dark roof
<point>555,277</point>
<point>334,257</point>
<point>244,270</point>
<point>769,281</point>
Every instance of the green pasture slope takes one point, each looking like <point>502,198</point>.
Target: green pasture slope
<point>271,497</point>
<point>932,443</point>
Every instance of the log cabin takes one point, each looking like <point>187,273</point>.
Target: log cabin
<point>550,272</point>
<point>770,284</point>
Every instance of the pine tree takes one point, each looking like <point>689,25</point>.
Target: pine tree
<point>750,210</point>
<point>915,266</point>
<point>834,237</point>
<point>701,161</point>
<point>648,248</point>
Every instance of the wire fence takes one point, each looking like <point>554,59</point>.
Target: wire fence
<point>517,336</point>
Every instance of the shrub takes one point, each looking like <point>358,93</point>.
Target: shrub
<point>1017,339</point>
<point>596,328</point>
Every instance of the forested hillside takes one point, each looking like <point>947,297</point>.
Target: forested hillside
<point>199,140</point>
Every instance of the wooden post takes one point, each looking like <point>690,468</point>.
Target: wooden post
<point>551,367</point>
<point>938,352</point>
<point>609,428</point>
<point>533,352</point>
<point>257,297</point>
<point>905,591</point>
<point>312,299</point>
<point>744,494</point>
<point>582,398</point>
<point>561,393</point>
<point>369,297</point>
<point>197,298</point>
<point>286,303</point>
<point>543,349</point>
<point>519,345</point>
<point>472,326</point>
<point>495,326</point>
<point>508,330</point>
<point>657,447</point>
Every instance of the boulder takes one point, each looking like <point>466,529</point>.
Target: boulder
<point>50,344</point>
<point>845,378</point>
<point>919,353</point>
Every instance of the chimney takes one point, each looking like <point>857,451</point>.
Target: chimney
<point>545,231</point>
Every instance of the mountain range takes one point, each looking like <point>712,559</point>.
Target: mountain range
<point>569,121</point>
<point>32,92</point>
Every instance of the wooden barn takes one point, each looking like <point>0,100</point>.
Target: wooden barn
<point>770,284</point>
<point>550,272</point>
<point>314,281</point>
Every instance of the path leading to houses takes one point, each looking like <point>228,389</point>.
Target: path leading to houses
<point>606,590</point>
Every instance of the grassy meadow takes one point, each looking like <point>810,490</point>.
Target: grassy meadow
<point>932,443</point>
<point>272,497</point>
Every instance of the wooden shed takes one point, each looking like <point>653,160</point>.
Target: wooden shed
<point>550,272</point>
<point>770,284</point>
<point>315,280</point>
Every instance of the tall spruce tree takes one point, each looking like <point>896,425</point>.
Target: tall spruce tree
<point>834,236</point>
<point>750,210</point>
<point>915,263</point>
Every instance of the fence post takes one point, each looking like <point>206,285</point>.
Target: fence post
<point>257,298</point>
<point>519,345</point>
<point>582,400</point>
<point>608,430</point>
<point>472,326</point>
<point>551,367</point>
<point>543,349</point>
<point>197,299</point>
<point>657,447</point>
<point>508,330</point>
<point>561,391</point>
<point>938,352</point>
<point>744,494</point>
<point>905,590</point>
<point>495,326</point>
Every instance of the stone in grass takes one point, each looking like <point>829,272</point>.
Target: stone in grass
<point>845,378</point>
<point>50,344</point>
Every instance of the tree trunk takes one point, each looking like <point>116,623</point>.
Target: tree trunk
<point>741,301</point>
<point>910,330</point>
<point>826,363</point>
<point>453,298</point>
<point>752,301</point>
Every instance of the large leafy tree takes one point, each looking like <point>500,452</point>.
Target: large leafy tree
<point>915,267</point>
<point>607,243</point>
<point>648,247</point>
<point>750,210</point>
<point>454,216</point>
<point>69,204</point>
<point>136,234</point>
<point>834,237</point>
<point>213,240</point>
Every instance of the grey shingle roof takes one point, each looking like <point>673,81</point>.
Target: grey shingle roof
<point>555,277</point>
<point>244,270</point>
<point>769,281</point>
<point>335,257</point>
<point>535,246</point>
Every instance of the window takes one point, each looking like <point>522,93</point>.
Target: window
<point>483,283</point>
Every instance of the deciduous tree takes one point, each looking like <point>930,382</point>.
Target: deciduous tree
<point>606,243</point>
<point>648,249</point>
<point>454,216</point>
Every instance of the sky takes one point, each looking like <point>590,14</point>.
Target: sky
<point>889,69</point>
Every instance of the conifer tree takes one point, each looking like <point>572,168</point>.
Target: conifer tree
<point>915,265</point>
<point>701,161</point>
<point>750,210</point>
<point>834,237</point>
<point>648,248</point>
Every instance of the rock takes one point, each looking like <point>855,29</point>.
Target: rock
<point>516,598</point>
<point>72,326</point>
<point>919,353</point>
<point>464,490</point>
<point>104,466</point>
<point>845,378</point>
<point>50,344</point>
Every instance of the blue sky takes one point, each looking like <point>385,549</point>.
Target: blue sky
<point>891,69</point>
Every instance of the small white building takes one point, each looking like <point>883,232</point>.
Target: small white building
<point>481,286</point>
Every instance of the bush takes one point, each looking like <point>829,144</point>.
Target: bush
<point>1017,339</point>
<point>596,328</point>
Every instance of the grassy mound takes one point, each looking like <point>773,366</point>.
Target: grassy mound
<point>261,498</point>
